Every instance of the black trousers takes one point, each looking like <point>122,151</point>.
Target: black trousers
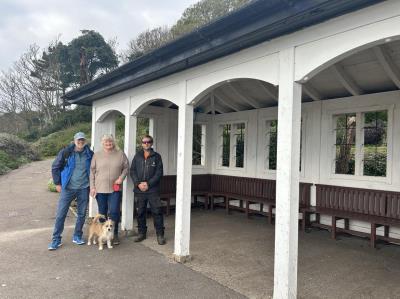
<point>154,201</point>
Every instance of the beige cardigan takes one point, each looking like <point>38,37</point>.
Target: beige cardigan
<point>106,168</point>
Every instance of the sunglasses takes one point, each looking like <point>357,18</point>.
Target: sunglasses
<point>146,142</point>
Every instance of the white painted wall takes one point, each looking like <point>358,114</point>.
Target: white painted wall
<point>316,47</point>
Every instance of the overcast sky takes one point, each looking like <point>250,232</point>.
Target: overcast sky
<point>24,22</point>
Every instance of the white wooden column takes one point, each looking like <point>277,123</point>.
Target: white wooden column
<point>287,179</point>
<point>184,183</point>
<point>127,191</point>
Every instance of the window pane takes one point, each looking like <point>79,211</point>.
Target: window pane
<point>273,138</point>
<point>197,145</point>
<point>375,143</point>
<point>240,131</point>
<point>345,143</point>
<point>226,144</point>
<point>143,128</point>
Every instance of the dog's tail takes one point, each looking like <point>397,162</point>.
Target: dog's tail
<point>98,217</point>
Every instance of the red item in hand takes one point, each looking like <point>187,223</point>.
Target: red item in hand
<point>116,187</point>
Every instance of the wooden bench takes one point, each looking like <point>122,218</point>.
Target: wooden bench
<point>255,190</point>
<point>168,190</point>
<point>247,190</point>
<point>200,187</point>
<point>379,208</point>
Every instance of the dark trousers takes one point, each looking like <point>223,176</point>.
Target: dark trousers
<point>153,199</point>
<point>110,206</point>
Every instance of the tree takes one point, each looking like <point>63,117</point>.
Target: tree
<point>146,42</point>
<point>31,91</point>
<point>99,57</point>
<point>193,17</point>
<point>203,12</point>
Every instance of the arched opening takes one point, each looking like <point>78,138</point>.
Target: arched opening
<point>235,95</point>
<point>373,68</point>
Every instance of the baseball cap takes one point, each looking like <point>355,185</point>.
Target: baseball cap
<point>79,135</point>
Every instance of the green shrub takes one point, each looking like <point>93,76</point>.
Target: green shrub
<point>51,186</point>
<point>69,118</point>
<point>14,152</point>
<point>50,145</point>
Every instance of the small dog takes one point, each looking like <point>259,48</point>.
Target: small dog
<point>104,232</point>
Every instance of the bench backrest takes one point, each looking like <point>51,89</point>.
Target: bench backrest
<point>364,201</point>
<point>305,195</point>
<point>201,183</point>
<point>393,205</point>
<point>168,184</point>
<point>243,186</point>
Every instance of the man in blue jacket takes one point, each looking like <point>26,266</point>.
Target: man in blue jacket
<point>70,171</point>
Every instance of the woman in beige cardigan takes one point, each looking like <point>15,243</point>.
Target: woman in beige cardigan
<point>108,169</point>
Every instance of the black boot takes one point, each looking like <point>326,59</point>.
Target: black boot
<point>116,239</point>
<point>140,237</point>
<point>160,239</point>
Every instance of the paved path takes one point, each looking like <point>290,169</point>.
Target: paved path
<point>29,270</point>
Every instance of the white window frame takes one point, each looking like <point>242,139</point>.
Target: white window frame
<point>359,154</point>
<point>203,144</point>
<point>266,140</point>
<point>232,157</point>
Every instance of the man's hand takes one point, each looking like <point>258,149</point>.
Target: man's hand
<point>143,186</point>
<point>93,192</point>
<point>58,188</point>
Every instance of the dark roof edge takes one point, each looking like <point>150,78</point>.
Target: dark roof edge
<point>256,22</point>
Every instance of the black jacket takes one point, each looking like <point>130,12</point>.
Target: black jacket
<point>150,171</point>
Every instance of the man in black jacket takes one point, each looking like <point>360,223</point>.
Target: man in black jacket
<point>146,172</point>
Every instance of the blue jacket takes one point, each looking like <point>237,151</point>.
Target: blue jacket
<point>62,168</point>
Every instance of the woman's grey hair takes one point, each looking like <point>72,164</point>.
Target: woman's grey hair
<point>107,137</point>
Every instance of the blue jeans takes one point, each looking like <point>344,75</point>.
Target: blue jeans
<point>67,195</point>
<point>110,206</point>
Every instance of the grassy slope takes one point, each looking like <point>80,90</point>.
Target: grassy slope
<point>50,145</point>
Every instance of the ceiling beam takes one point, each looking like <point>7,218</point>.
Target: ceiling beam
<point>388,65</point>
<point>229,104</point>
<point>346,80</point>
<point>217,107</point>
<point>212,103</point>
<point>221,109</point>
<point>311,92</point>
<point>253,103</point>
<point>203,99</point>
<point>269,90</point>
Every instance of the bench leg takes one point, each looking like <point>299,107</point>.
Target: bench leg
<point>373,235</point>
<point>247,209</point>
<point>334,227</point>
<point>168,206</point>
<point>206,201</point>
<point>346,224</point>
<point>386,231</point>
<point>270,207</point>
<point>261,207</point>
<point>227,204</point>
<point>195,201</point>
<point>317,218</point>
<point>303,220</point>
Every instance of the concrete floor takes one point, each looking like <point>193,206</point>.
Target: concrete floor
<point>29,270</point>
<point>239,253</point>
<point>232,255</point>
